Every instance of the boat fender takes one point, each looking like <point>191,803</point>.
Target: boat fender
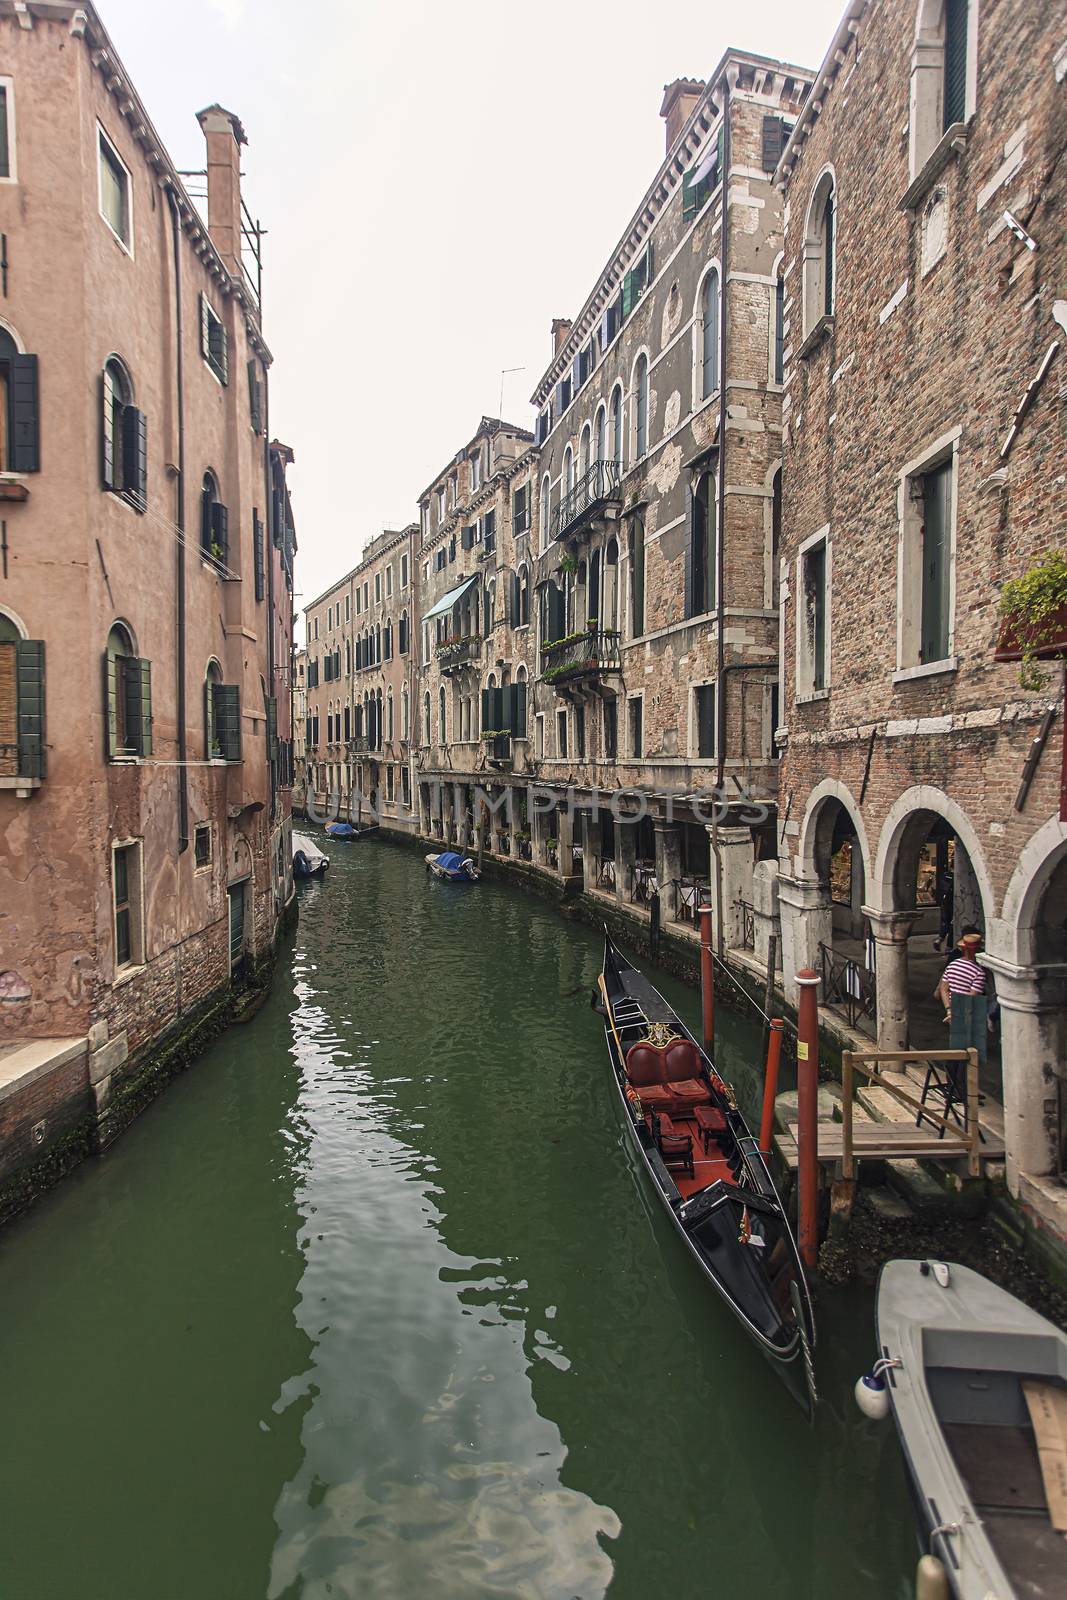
<point>931,1579</point>
<point>872,1397</point>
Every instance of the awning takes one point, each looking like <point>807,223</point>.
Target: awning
<point>447,601</point>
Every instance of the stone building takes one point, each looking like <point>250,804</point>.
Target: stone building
<point>359,687</point>
<point>476,656</point>
<point>925,205</point>
<point>655,597</point>
<point>300,730</point>
<point>145,596</point>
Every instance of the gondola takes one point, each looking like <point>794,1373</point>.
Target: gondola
<point>707,1170</point>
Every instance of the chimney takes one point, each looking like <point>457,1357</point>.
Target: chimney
<point>561,327</point>
<point>679,102</point>
<point>224,136</point>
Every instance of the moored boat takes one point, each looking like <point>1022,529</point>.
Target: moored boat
<point>707,1170</point>
<point>350,831</point>
<point>451,867</point>
<point>308,860</point>
<point>977,1383</point>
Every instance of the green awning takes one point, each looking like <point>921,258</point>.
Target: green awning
<point>447,601</point>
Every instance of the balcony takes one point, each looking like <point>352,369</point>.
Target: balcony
<point>497,749</point>
<point>359,746</point>
<point>583,656</point>
<point>458,654</point>
<point>598,488</point>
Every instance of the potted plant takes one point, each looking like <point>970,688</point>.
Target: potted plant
<point>1033,611</point>
<point>216,552</point>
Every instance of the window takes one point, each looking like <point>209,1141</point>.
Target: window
<point>440,505</point>
<point>942,90</point>
<point>579,732</point>
<point>476,471</point>
<point>329,619</point>
<point>778,361</point>
<point>926,575</point>
<point>215,525</point>
<point>539,736</point>
<point>637,578</point>
<point>521,608</point>
<point>704,721</point>
<point>390,784</point>
<point>520,509</point>
<point>611,729</point>
<point>405,787</point>
<point>19,422</point>
<point>348,608</point>
<point>709,335</point>
<point>774,138</point>
<point>7,131</point>
<point>426,718</point>
<point>202,844</point>
<point>128,688</point>
<point>700,575</point>
<point>635,711</point>
<point>22,749</point>
<point>441,722</point>
<point>126,896</point>
<point>608,610</point>
<point>813,607</point>
<point>377,588</point>
<point>637,281</point>
<point>116,198</point>
<point>404,571</point>
<point>701,179</point>
<point>404,715</point>
<point>641,407</point>
<point>214,344</point>
<point>616,424</point>
<point>546,513</point>
<point>366,597</point>
<point>389,717</point>
<point>561,735</point>
<point>820,253</point>
<point>222,717</point>
<point>567,484</point>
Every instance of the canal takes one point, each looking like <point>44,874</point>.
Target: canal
<point>373,1303</point>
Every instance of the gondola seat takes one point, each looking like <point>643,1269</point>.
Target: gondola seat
<point>667,1078</point>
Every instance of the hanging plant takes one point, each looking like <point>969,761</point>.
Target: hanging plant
<point>568,564</point>
<point>1033,609</point>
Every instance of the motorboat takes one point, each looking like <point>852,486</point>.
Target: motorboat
<point>451,867</point>
<point>308,860</point>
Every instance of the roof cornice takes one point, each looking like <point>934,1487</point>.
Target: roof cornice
<point>833,61</point>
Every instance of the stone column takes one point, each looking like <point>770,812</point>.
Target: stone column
<point>966,895</point>
<point>565,842</point>
<point>1033,1041</point>
<point>668,851</point>
<point>765,915</point>
<point>542,825</point>
<point>805,916</point>
<point>459,815</point>
<point>736,852</point>
<point>891,930</point>
<point>591,847</point>
<point>625,856</point>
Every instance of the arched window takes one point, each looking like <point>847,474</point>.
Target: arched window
<point>568,473</point>
<point>616,424</point>
<point>637,578</point>
<point>523,612</point>
<point>490,604</point>
<point>546,512</point>
<point>129,700</point>
<point>943,71</point>
<point>601,429</point>
<point>123,439</point>
<point>592,599</point>
<point>389,717</point>
<point>442,725</point>
<point>709,337</point>
<point>585,445</point>
<point>700,573</point>
<point>214,521</point>
<point>404,715</point>
<point>348,658</point>
<point>212,732</point>
<point>776,533</point>
<point>518,705</point>
<point>640,404</point>
<point>610,619</point>
<point>378,644</point>
<point>820,252</point>
<point>19,428</point>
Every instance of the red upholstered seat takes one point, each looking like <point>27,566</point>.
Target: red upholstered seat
<point>644,1065</point>
<point>649,1070</point>
<point>681,1060</point>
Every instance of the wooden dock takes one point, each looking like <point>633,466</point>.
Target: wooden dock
<point>887,1141</point>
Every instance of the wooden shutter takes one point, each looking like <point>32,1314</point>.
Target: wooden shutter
<point>557,621</point>
<point>205,324</point>
<point>272,727</point>
<point>254,400</point>
<point>257,556</point>
<point>629,298</point>
<point>307,733</point>
<point>135,454</point>
<point>490,529</point>
<point>111,730</point>
<point>9,710</point>
<point>466,538</point>
<point>218,348</point>
<point>954,103</point>
<point>107,440</point>
<point>690,542</point>
<point>136,688</point>
<point>774,142</point>
<point>24,422</point>
<point>516,714</point>
<point>937,511</point>
<point>487,726</point>
<point>689,200</point>
<point>228,719</point>
<point>29,672</point>
<point>220,527</point>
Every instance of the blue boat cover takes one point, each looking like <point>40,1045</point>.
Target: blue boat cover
<point>449,861</point>
<point>340,830</point>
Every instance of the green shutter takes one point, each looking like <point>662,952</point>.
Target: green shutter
<point>954,103</point>
<point>227,698</point>
<point>111,730</point>
<point>29,677</point>
<point>257,555</point>
<point>629,298</point>
<point>272,727</point>
<point>487,725</point>
<point>254,401</point>
<point>205,323</point>
<point>107,441</point>
<point>690,206</point>
<point>135,455</point>
<point>137,680</point>
<point>23,420</point>
<point>937,510</point>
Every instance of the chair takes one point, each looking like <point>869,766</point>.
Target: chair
<point>675,1148</point>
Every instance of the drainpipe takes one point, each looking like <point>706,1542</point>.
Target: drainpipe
<point>268,557</point>
<point>720,559</point>
<point>179,517</point>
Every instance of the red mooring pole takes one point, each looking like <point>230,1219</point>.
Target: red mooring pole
<point>707,979</point>
<point>808,1116</point>
<point>770,1085</point>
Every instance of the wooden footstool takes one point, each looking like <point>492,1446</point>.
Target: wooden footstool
<point>710,1122</point>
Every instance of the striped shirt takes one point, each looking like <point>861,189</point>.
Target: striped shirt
<point>964,976</point>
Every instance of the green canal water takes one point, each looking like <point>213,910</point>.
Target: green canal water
<point>374,1303</point>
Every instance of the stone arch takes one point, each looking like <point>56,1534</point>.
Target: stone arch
<point>904,810</point>
<point>1015,934</point>
<point>815,813</point>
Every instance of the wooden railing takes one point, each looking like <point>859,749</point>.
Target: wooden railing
<point>866,1061</point>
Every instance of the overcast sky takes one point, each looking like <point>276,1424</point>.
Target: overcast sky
<point>439,180</point>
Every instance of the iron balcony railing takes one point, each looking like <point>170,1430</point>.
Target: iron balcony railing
<point>583,655</point>
<point>459,653</point>
<point>747,919</point>
<point>849,988</point>
<point>598,485</point>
